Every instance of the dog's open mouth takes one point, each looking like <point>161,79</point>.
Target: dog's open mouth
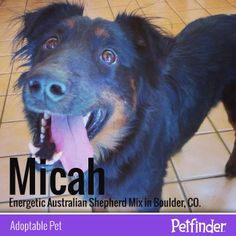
<point>71,135</point>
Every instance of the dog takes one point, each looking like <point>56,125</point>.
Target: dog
<point>123,91</point>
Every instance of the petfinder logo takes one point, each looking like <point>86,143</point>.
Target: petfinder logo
<point>195,226</point>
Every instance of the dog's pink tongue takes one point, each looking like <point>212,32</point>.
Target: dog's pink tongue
<point>70,137</point>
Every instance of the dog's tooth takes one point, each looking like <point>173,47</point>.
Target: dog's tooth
<point>56,156</point>
<point>84,121</point>
<point>42,137</point>
<point>85,118</point>
<point>43,122</point>
<point>46,116</point>
<point>33,149</point>
<point>49,162</point>
<point>43,130</point>
<point>37,159</point>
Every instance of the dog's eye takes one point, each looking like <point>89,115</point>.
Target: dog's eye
<point>51,43</point>
<point>108,56</point>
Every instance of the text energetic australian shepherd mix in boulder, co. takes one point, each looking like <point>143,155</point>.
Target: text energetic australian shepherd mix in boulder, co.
<point>122,92</point>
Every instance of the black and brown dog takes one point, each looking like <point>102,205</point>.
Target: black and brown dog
<point>123,91</point>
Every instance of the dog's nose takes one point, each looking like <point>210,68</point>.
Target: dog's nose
<point>53,89</point>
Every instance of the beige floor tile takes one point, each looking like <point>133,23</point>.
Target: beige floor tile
<point>14,109</point>
<point>20,4</point>
<point>5,207</point>
<point>184,5</point>
<point>8,30</point>
<point>5,48</point>
<point>165,18</point>
<point>215,195</point>
<point>70,209</point>
<point>191,15</point>
<point>219,118</point>
<point>12,90</point>
<point>132,8</point>
<point>100,12</point>
<point>5,66</point>
<point>228,10</point>
<point>203,156</point>
<point>170,174</point>
<point>172,191</point>
<point>177,28</point>
<point>205,127</point>
<point>93,4</point>
<point>41,1</point>
<point>229,138</point>
<point>118,3</point>
<point>32,5</point>
<point>157,8</point>
<point>209,4</point>
<point>232,2</point>
<point>5,181</point>
<point>4,80</point>
<point>8,14</point>
<point>170,28</point>
<point>18,68</point>
<point>14,138</point>
<point>2,100</point>
<point>145,3</point>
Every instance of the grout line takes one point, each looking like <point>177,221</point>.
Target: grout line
<point>110,9</point>
<point>9,82</point>
<point>219,136</point>
<point>12,121</point>
<point>204,133</point>
<point>5,99</point>
<point>139,7</point>
<point>128,4</point>
<point>226,131</point>
<point>171,182</point>
<point>213,132</point>
<point>231,4</point>
<point>203,7</point>
<point>16,155</point>
<point>196,179</point>
<point>203,178</point>
<point>26,2</point>
<point>175,12</point>
<point>180,185</point>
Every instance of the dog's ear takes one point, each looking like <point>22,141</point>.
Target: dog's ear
<point>151,42</point>
<point>144,34</point>
<point>36,23</point>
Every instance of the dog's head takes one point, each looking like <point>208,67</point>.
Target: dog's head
<point>90,69</point>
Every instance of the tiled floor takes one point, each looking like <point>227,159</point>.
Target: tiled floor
<point>197,171</point>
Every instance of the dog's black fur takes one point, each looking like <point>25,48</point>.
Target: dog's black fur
<point>165,86</point>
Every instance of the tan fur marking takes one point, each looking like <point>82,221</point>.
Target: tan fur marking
<point>101,32</point>
<point>134,93</point>
<point>114,131</point>
<point>70,23</point>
